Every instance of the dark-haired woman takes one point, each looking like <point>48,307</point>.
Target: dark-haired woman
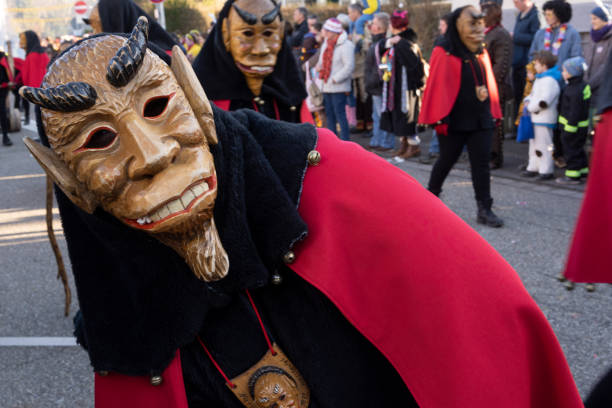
<point>558,36</point>
<point>564,42</point>
<point>34,66</point>
<point>461,68</point>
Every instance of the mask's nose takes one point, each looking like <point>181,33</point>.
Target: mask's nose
<point>149,151</point>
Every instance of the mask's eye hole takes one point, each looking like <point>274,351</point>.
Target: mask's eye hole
<point>156,106</point>
<point>100,138</point>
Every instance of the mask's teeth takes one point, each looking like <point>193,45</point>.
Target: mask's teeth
<point>141,221</point>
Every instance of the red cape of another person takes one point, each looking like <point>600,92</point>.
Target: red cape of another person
<point>443,86</point>
<point>433,296</point>
<point>34,69</point>
<point>589,257</point>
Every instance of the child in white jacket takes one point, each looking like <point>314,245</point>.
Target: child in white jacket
<point>542,105</point>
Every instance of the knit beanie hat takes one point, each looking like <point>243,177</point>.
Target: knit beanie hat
<point>399,19</point>
<point>601,13</point>
<point>333,25</point>
<point>575,66</point>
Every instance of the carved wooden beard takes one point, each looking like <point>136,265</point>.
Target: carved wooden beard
<point>141,151</point>
<point>253,35</point>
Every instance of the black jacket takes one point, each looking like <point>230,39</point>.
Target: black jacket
<point>574,105</point>
<point>295,40</point>
<point>373,79</point>
<point>524,31</point>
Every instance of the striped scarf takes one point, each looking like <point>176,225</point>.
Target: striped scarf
<point>328,57</point>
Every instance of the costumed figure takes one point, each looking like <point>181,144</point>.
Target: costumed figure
<point>226,259</point>
<point>461,101</point>
<point>7,83</point>
<point>498,43</point>
<point>588,259</point>
<point>120,16</point>
<point>403,79</point>
<point>34,66</point>
<point>245,63</point>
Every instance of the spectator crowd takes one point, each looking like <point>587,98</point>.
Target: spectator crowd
<point>368,75</point>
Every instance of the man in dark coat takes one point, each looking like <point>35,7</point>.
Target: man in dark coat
<point>301,27</point>
<point>499,45</point>
<point>202,240</point>
<point>526,25</point>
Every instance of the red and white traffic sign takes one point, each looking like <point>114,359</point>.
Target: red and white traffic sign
<point>80,7</point>
<point>157,1</point>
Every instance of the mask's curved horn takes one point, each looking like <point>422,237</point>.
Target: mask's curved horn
<point>271,15</point>
<point>62,176</point>
<point>247,17</point>
<point>70,97</point>
<point>124,65</point>
<point>192,88</point>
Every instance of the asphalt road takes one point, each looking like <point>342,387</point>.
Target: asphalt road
<point>539,223</point>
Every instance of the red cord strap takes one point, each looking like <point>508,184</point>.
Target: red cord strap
<point>263,329</point>
<point>474,72</point>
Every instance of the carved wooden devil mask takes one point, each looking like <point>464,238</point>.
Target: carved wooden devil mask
<point>253,35</point>
<point>470,26</point>
<point>132,137</point>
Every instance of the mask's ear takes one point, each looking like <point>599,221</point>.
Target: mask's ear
<point>225,32</point>
<point>192,88</point>
<point>62,176</point>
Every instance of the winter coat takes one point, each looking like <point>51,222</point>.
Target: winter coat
<point>570,47</point>
<point>343,63</point>
<point>499,45</point>
<point>296,39</point>
<point>373,78</point>
<point>596,56</point>
<point>525,29</point>
<point>574,105</point>
<point>546,89</point>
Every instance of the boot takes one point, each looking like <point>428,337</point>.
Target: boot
<point>403,146</point>
<point>413,151</point>
<point>486,216</point>
<point>6,141</point>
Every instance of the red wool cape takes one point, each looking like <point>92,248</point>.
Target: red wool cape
<point>443,84</point>
<point>589,259</point>
<point>440,304</point>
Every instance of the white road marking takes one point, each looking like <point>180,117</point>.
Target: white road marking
<point>37,341</point>
<point>22,176</point>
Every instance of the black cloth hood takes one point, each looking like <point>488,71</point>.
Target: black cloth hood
<point>222,80</point>
<point>120,16</point>
<point>451,42</point>
<point>139,300</point>
<point>33,43</point>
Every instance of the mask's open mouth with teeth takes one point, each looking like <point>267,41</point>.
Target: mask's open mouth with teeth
<point>255,69</point>
<point>176,205</point>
